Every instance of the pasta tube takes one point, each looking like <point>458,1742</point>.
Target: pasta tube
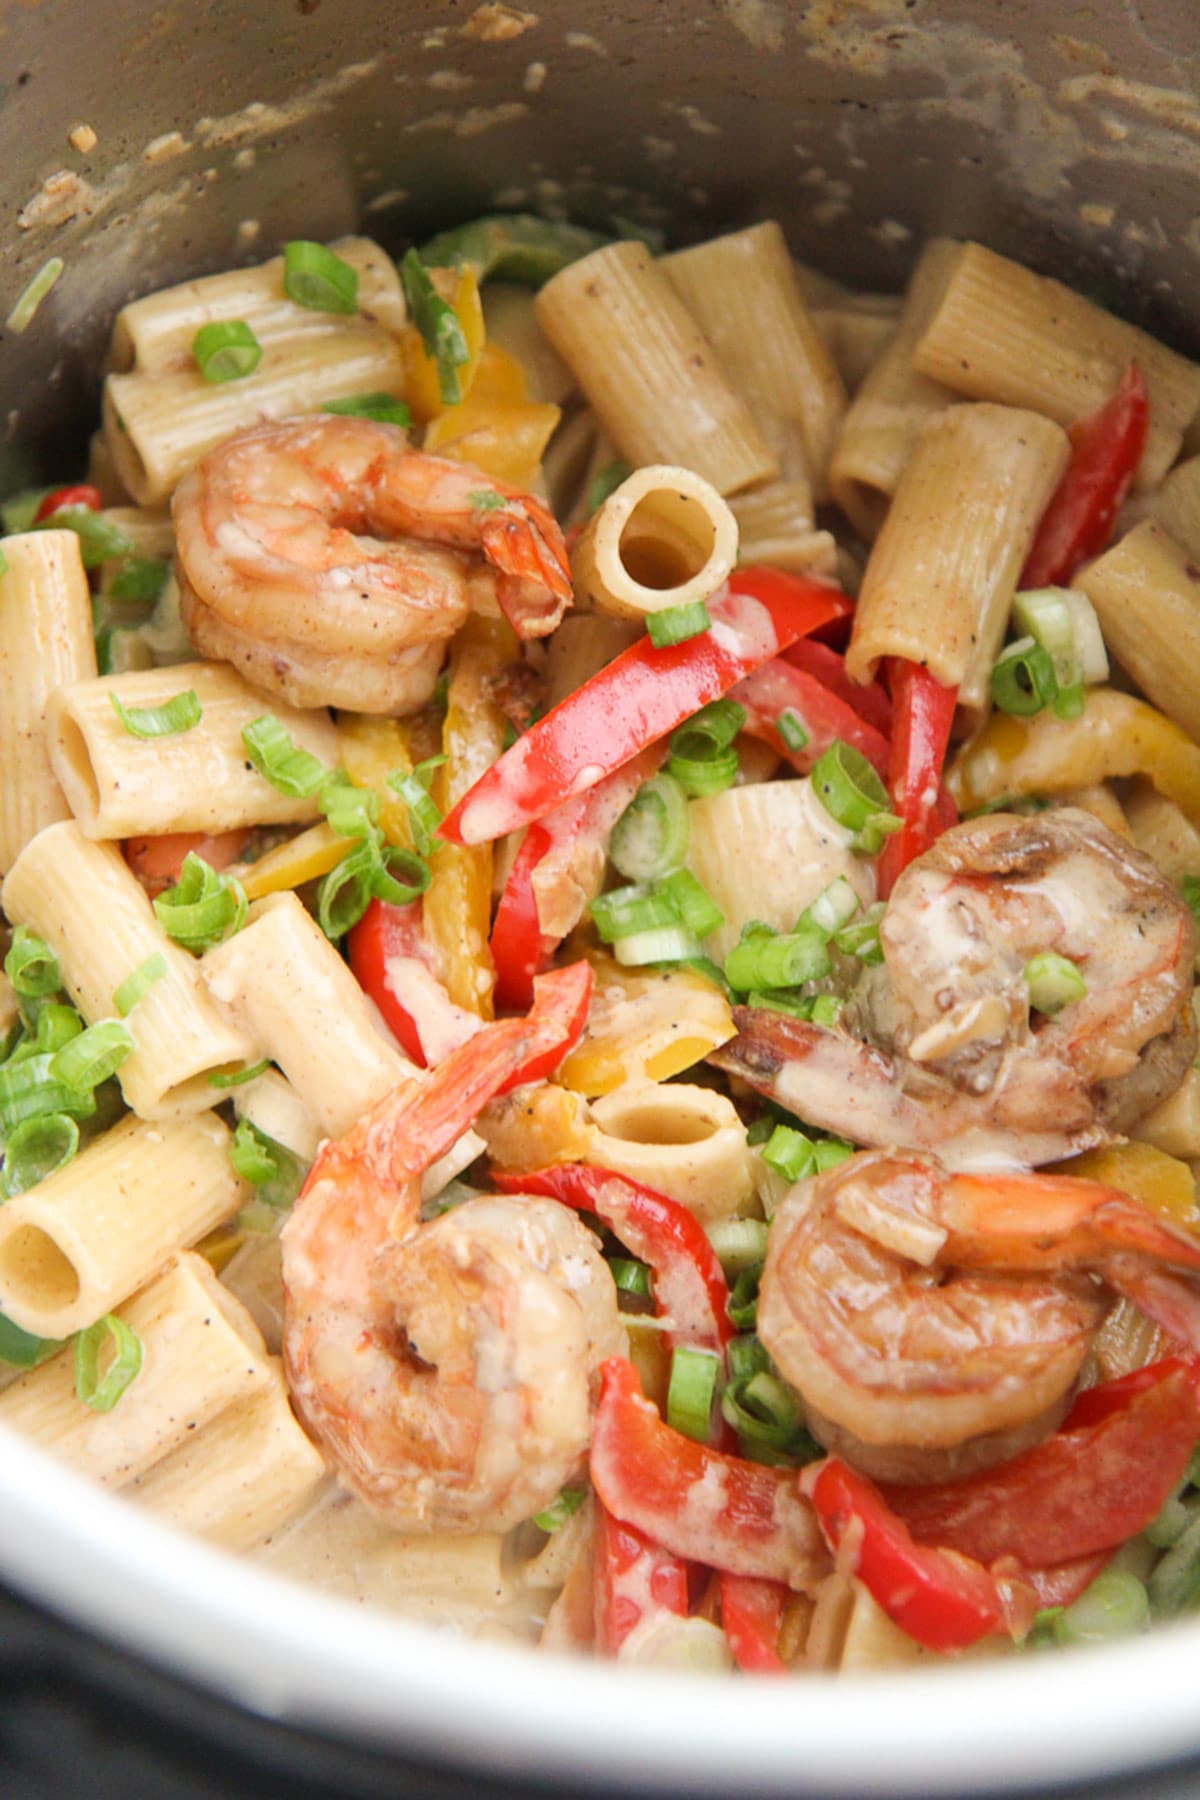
<point>644,1025</point>
<point>93,912</point>
<point>45,639</point>
<point>648,370</point>
<point>687,1142</point>
<point>893,403</point>
<point>1116,735</point>
<point>121,785</point>
<point>201,1352</point>
<point>1160,829</point>
<point>741,290</point>
<point>1146,592</point>
<point>78,1243</point>
<point>775,526</point>
<point>1002,333</point>
<point>664,538</point>
<point>938,587</point>
<point>1176,505</point>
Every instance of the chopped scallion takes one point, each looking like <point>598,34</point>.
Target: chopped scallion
<point>860,937</point>
<point>1022,679</point>
<point>384,409</point>
<point>285,765</point>
<point>226,350</point>
<point>351,811</point>
<point>690,1391</point>
<point>20,1349</point>
<point>439,326</point>
<point>782,960</point>
<point>203,908</point>
<point>606,482</point>
<point>182,712</point>
<point>231,1078</point>
<point>738,1243</point>
<point>624,911</point>
<point>424,813</point>
<point>791,730</point>
<point>742,1305</point>
<point>832,909</point>
<point>275,1172</point>
<point>848,787</point>
<point>314,277</point>
<point>766,1416</point>
<point>663,944</point>
<point>694,905</point>
<point>366,873</point>
<point>676,624</point>
<point>113,1336</point>
<point>651,836</point>
<point>562,1508</point>
<point>28,1090</point>
<point>33,293</point>
<point>36,1149</point>
<point>1114,1605</point>
<point>630,1276</point>
<point>829,1152</point>
<point>134,986</point>
<point>138,578</point>
<point>789,1153</point>
<point>1053,982</point>
<point>100,540</point>
<point>90,1058</point>
<point>31,966</point>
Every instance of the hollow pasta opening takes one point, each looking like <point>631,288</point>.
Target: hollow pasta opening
<point>35,1270</point>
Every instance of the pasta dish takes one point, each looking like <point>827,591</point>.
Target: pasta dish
<point>600,862</point>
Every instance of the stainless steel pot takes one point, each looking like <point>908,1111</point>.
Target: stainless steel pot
<point>1066,134</point>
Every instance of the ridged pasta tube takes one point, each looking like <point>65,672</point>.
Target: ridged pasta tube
<point>76,1245</point>
<point>648,370</point>
<point>1146,592</point>
<point>45,639</point>
<point>1176,505</point>
<point>663,538</point>
<point>687,1142</point>
<point>82,898</point>
<point>120,784</point>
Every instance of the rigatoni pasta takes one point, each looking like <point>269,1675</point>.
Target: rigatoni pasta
<point>1146,592</point>
<point>663,538</point>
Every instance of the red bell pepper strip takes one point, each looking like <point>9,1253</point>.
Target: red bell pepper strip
<point>751,1616</point>
<point>1084,1490</point>
<point>384,932</point>
<point>923,712</point>
<point>518,944</point>
<point>941,1599</point>
<point>158,861</point>
<point>689,1283</point>
<point>1093,1404</point>
<point>778,687</point>
<point>700,1503</point>
<point>870,702</point>
<point>81,494</point>
<point>557,870</point>
<point>635,1578</point>
<point>1106,449</point>
<point>639,697</point>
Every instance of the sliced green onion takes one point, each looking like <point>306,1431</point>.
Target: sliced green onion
<point>1171,1521</point>
<point>784,960</point>
<point>826,1009</point>
<point>519,247</point>
<point>102,1391</point>
<point>33,293</point>
<point>781,1000</point>
<point>226,350</point>
<point>232,1078</point>
<point>134,986</point>
<point>20,1349</point>
<point>706,968</point>
<point>869,841</point>
<point>1069,702</point>
<point>651,836</point>
<point>285,765</point>
<point>1175,1583</point>
<point>676,624</point>
<point>351,811</point>
<point>275,1172</point>
<point>314,277</point>
<point>365,873</point>
<point>56,1025</point>
<point>604,483</point>
<point>693,904</point>
<point>1191,895</point>
<point>714,727</point>
<point>624,911</point>
<point>36,1149</point>
<point>742,1305</point>
<point>710,774</point>
<point>738,1243</point>
<point>1044,615</point>
<point>848,787</point>
<point>1022,679</point>
<point>766,1416</point>
<point>438,324</point>
<point>28,1090</point>
<point>663,944</point>
<point>1114,1605</point>
<point>17,513</point>
<point>690,1391</point>
<point>829,1152</point>
<point>566,1504</point>
<point>31,966</point>
<point>630,1276</point>
<point>833,908</point>
<point>1053,982</point>
<point>203,908</point>
<point>791,730</point>
<point>424,813</point>
<point>860,938</point>
<point>93,1056</point>
<point>486,500</point>
<point>746,1356</point>
<point>138,578</point>
<point>384,409</point>
<point>182,712</point>
<point>100,540</point>
<point>789,1153</point>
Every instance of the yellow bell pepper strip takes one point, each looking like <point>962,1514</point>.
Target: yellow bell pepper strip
<point>1115,735</point>
<point>304,858</point>
<point>372,749</point>
<point>423,378</point>
<point>458,902</point>
<point>497,428</point>
<point>639,697</point>
<point>1159,1181</point>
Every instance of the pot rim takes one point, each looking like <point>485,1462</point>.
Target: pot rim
<point>301,1657</point>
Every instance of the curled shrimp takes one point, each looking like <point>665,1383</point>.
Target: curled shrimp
<point>446,1367</point>
<point>951,1050</point>
<point>330,563</point>
<point>934,1323</point>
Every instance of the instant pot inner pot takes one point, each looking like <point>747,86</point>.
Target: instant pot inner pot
<point>1067,135</point>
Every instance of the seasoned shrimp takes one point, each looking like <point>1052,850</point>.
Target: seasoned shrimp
<point>330,563</point>
<point>934,1323</point>
<point>446,1367</point>
<point>957,1054</point>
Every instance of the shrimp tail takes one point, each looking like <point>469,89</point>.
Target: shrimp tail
<point>1170,1301</point>
<point>525,546</point>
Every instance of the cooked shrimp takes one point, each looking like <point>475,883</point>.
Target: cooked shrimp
<point>934,1323</point>
<point>956,1053</point>
<point>446,1367</point>
<point>331,563</point>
